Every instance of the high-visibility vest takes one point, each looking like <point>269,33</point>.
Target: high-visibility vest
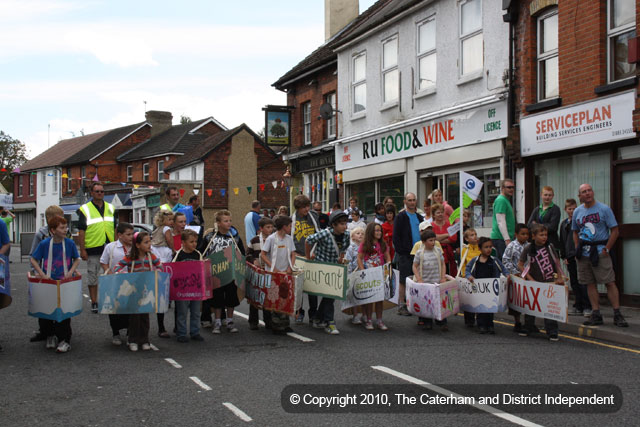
<point>166,207</point>
<point>98,227</point>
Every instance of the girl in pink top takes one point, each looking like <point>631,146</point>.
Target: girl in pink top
<point>373,252</point>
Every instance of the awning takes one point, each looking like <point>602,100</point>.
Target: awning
<point>69,209</point>
<point>125,198</point>
<point>24,206</point>
<point>109,197</point>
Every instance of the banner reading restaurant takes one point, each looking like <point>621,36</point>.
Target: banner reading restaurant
<point>458,129</point>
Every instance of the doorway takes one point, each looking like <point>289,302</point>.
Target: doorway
<point>627,207</point>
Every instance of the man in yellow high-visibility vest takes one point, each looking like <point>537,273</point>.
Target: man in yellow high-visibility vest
<point>96,229</point>
<point>173,200</point>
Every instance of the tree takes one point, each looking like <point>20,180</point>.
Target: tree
<point>185,120</point>
<point>278,130</point>
<point>13,153</point>
<point>261,133</point>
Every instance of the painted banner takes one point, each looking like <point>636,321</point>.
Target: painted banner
<point>372,285</point>
<point>133,293</point>
<point>483,295</point>
<point>6,201</point>
<point>323,279</point>
<point>5,282</point>
<point>277,292</point>
<point>227,266</point>
<point>546,300</point>
<point>433,300</point>
<point>190,280</point>
<point>55,299</point>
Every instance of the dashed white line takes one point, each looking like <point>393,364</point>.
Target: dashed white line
<point>238,412</point>
<point>85,295</point>
<point>486,408</point>
<point>154,348</point>
<point>200,383</point>
<point>173,363</point>
<point>572,382</point>
<point>291,334</point>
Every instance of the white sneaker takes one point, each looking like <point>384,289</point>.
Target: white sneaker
<point>63,347</point>
<point>216,329</point>
<point>146,346</point>
<point>331,329</point>
<point>52,342</point>
<point>205,324</point>
<point>357,320</point>
<point>116,340</point>
<point>231,327</point>
<point>133,346</point>
<point>587,313</point>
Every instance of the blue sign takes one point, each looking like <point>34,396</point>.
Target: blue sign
<point>133,293</point>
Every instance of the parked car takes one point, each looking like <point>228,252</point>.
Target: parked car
<point>142,227</point>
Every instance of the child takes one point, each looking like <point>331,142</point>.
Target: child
<point>353,207</point>
<point>265,229</point>
<point>469,251</point>
<point>387,228</point>
<point>510,260</point>
<point>373,252</point>
<point>357,236</point>
<point>162,246</point>
<point>188,252</point>
<point>541,266</point>
<point>279,254</point>
<point>305,223</point>
<point>227,294</point>
<point>355,221</point>
<point>332,245</point>
<point>64,262</point>
<point>139,259</point>
<point>428,267</point>
<point>113,253</point>
<point>484,266</point>
<point>380,213</point>
<point>582,305</point>
<point>179,225</point>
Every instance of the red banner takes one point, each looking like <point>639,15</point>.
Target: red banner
<point>277,292</point>
<point>190,280</point>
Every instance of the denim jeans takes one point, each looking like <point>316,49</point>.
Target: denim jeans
<point>313,307</point>
<point>500,246</point>
<point>194,317</point>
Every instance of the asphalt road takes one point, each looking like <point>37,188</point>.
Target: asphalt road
<point>97,384</point>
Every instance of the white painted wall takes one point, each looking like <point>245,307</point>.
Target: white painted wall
<point>185,174</point>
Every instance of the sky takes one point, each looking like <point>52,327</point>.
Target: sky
<point>72,66</point>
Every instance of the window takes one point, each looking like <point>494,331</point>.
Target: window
<point>84,172</point>
<point>43,182</point>
<point>359,83</point>
<point>471,42</point>
<point>373,191</point>
<point>194,173</point>
<point>330,99</point>
<point>390,73</point>
<point>316,183</point>
<point>621,27</point>
<point>145,172</point>
<point>55,181</point>
<point>306,121</point>
<point>69,180</point>
<point>547,57</point>
<point>177,176</point>
<point>20,177</point>
<point>160,170</point>
<point>31,183</point>
<point>129,173</point>
<point>427,54</point>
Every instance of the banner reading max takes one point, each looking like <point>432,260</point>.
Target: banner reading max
<point>546,300</point>
<point>323,279</point>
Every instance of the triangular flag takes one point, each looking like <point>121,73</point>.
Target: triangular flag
<point>95,177</point>
<point>109,182</point>
<point>275,184</point>
<point>261,187</point>
<point>235,191</point>
<point>3,170</point>
<point>181,192</point>
<point>248,189</point>
<point>209,192</point>
<point>64,175</point>
<point>17,170</point>
<point>123,184</point>
<point>136,185</point>
<point>287,189</point>
<point>223,192</point>
<point>196,191</point>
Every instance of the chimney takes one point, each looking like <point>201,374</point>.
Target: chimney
<point>337,14</point>
<point>159,120</point>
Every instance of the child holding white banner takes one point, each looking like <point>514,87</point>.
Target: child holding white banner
<point>484,266</point>
<point>470,250</point>
<point>373,252</point>
<point>539,263</point>
<point>428,267</point>
<point>357,236</point>
<point>511,258</point>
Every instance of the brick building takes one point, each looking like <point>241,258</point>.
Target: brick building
<point>576,106</point>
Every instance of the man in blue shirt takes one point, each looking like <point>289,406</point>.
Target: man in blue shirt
<point>251,221</point>
<point>595,231</point>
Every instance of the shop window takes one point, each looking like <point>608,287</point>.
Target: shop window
<point>129,173</point>
<point>177,176</point>
<point>481,209</point>
<point>547,57</point>
<point>427,54</point>
<point>160,170</point>
<point>392,187</point>
<point>390,76</point>
<point>43,182</point>
<point>145,172</point>
<point>315,183</point>
<point>55,181</point>
<point>471,38</point>
<point>194,173</point>
<point>306,122</point>
<point>621,27</point>
<point>331,130</point>
<point>359,83</point>
<point>371,192</point>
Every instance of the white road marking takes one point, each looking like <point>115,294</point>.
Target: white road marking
<point>154,348</point>
<point>238,412</point>
<point>200,383</point>
<point>486,408</point>
<point>291,334</point>
<point>85,295</point>
<point>572,382</point>
<point>173,363</point>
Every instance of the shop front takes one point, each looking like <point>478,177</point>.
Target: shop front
<point>314,172</point>
<point>427,153</point>
<point>591,142</point>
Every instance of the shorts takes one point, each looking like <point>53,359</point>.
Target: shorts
<point>602,273</point>
<point>225,296</point>
<point>93,270</point>
<point>405,265</point>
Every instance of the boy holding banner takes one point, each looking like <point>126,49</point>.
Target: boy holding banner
<point>254,249</point>
<point>187,253</point>
<point>511,259</point>
<point>305,223</point>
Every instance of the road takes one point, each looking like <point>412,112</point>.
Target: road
<point>238,379</point>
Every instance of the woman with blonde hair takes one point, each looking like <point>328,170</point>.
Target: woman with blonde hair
<point>436,197</point>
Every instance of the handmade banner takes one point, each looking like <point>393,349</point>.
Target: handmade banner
<point>190,280</point>
<point>277,292</point>
<point>433,300</point>
<point>546,300</point>
<point>483,295</point>
<point>323,279</point>
<point>5,282</point>
<point>55,299</point>
<point>227,266</point>
<point>372,285</point>
<point>133,293</point>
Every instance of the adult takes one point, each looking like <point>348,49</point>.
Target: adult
<point>5,244</point>
<point>305,223</point>
<point>426,207</point>
<point>323,218</point>
<point>406,233</point>
<point>198,219</point>
<point>173,200</point>
<point>95,230</point>
<point>251,221</point>
<point>283,210</point>
<point>336,207</point>
<point>595,232</point>
<point>7,216</point>
<point>353,207</point>
<point>440,225</point>
<point>436,197</point>
<point>388,200</point>
<point>503,229</point>
<point>547,214</point>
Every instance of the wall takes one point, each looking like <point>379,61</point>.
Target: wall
<point>243,167</point>
<point>184,174</point>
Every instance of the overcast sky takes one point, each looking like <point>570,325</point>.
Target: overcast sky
<point>83,65</point>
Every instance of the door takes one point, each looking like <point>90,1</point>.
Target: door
<point>628,217</point>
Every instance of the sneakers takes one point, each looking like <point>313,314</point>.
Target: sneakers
<point>618,320</point>
<point>198,337</point>
<point>94,307</point>
<point>216,328</point>
<point>133,346</point>
<point>146,346</point>
<point>576,312</point>
<point>116,340</point>
<point>63,347</point>
<point>300,319</point>
<point>554,338</point>
<point>594,320</point>
<point>332,330</point>
<point>183,339</point>
<point>319,324</point>
<point>402,311</point>
<point>368,325</point>
<point>523,332</point>
<point>52,342</point>
<point>587,312</point>
<point>206,324</point>
<point>231,327</point>
<point>381,326</point>
<point>356,320</point>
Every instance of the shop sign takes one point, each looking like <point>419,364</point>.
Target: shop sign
<point>603,120</point>
<point>153,201</point>
<point>315,162</point>
<point>455,130</point>
<point>277,125</point>
<point>139,202</point>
